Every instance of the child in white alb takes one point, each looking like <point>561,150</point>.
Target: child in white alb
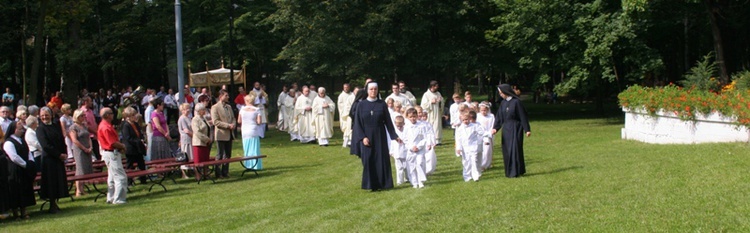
<point>415,141</point>
<point>487,120</point>
<point>430,158</point>
<point>398,151</point>
<point>469,138</point>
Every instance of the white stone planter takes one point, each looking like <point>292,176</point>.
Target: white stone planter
<point>668,128</point>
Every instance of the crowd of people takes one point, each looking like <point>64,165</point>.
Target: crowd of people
<point>136,124</point>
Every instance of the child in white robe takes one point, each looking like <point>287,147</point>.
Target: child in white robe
<point>398,151</point>
<point>487,120</point>
<point>415,142</point>
<point>469,137</point>
<point>430,157</point>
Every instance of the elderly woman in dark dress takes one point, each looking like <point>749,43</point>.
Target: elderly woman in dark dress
<point>511,118</point>
<point>54,181</point>
<point>21,170</point>
<point>370,135</point>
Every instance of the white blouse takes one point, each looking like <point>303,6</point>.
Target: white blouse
<point>10,150</point>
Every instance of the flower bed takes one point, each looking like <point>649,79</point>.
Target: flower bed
<point>672,114</point>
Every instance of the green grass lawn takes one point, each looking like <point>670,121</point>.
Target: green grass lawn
<point>581,177</point>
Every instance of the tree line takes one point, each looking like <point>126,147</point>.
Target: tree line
<point>587,49</point>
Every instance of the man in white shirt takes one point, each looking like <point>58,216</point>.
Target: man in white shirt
<point>171,104</point>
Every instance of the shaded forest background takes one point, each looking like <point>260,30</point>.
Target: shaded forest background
<point>581,49</point>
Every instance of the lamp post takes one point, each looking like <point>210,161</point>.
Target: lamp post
<point>231,47</point>
<point>178,34</point>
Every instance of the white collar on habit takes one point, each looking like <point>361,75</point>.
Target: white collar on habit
<point>371,100</point>
<point>508,98</point>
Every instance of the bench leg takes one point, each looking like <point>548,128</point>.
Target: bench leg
<point>43,203</point>
<point>205,173</point>
<point>159,182</point>
<point>98,192</point>
<point>247,169</point>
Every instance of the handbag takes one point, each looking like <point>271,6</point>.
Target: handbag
<point>181,157</point>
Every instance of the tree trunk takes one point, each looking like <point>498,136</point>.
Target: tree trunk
<point>38,46</point>
<point>713,10</point>
<point>72,68</point>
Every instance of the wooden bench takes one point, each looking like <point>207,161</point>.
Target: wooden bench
<point>133,174</point>
<point>206,173</point>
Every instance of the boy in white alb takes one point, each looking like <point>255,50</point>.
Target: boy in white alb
<point>398,151</point>
<point>430,158</point>
<point>469,137</point>
<point>487,120</point>
<point>415,141</point>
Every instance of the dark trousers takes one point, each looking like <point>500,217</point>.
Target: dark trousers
<point>95,144</point>
<point>224,152</point>
<point>136,159</point>
<point>172,113</point>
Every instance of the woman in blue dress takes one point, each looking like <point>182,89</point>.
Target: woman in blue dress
<point>250,119</point>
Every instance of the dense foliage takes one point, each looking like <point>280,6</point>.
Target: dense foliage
<point>581,48</point>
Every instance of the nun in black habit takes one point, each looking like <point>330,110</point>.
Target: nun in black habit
<point>511,118</point>
<point>371,121</point>
<point>54,184</point>
<point>21,170</point>
<point>361,94</point>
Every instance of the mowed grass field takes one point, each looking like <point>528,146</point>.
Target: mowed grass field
<point>581,177</point>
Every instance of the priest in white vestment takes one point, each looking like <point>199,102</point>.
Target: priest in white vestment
<point>405,92</point>
<point>305,119</point>
<point>323,109</point>
<point>312,94</point>
<point>291,120</point>
<point>280,124</point>
<point>345,122</point>
<point>432,104</point>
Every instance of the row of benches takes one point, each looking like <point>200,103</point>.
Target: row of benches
<point>163,168</point>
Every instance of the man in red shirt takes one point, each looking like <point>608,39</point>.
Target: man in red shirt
<point>112,151</point>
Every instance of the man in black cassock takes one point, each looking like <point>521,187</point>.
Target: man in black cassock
<point>371,121</point>
<point>511,117</point>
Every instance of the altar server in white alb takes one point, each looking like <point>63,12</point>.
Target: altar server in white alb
<point>415,141</point>
<point>281,125</point>
<point>487,121</point>
<point>323,109</point>
<point>288,110</point>
<point>305,118</point>
<point>469,138</point>
<point>345,122</point>
<point>432,104</point>
<point>430,157</point>
<point>398,151</point>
